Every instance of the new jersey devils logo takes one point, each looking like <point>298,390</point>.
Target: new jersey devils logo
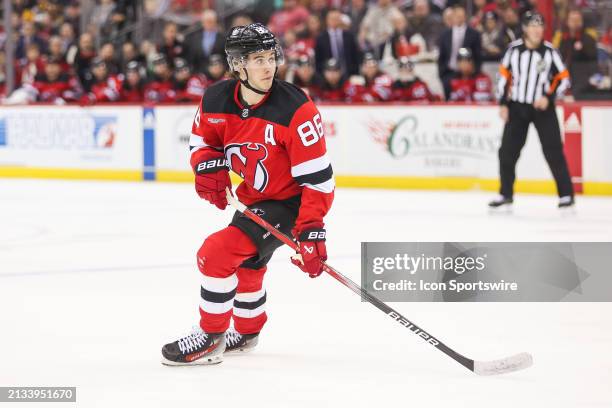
<point>246,160</point>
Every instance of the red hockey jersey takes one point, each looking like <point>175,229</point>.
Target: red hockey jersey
<point>477,88</point>
<point>276,146</point>
<point>376,90</point>
<point>415,90</point>
<point>190,90</point>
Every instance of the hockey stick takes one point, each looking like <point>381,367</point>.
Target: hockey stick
<point>505,365</point>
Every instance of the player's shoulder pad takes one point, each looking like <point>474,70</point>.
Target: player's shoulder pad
<point>284,101</point>
<point>219,97</point>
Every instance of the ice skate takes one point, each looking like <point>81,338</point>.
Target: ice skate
<point>237,343</point>
<point>567,206</point>
<point>501,204</point>
<point>197,348</point>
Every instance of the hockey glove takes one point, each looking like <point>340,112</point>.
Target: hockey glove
<point>211,178</point>
<point>312,251</point>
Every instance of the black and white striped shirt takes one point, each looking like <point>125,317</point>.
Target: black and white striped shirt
<point>528,74</point>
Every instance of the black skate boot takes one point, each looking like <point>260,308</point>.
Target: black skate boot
<point>236,342</point>
<point>501,203</point>
<point>197,348</point>
<point>566,202</point>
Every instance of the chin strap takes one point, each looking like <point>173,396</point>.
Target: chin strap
<point>245,82</point>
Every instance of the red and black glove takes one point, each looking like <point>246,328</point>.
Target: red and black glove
<point>312,251</point>
<point>212,177</point>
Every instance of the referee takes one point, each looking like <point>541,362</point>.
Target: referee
<point>531,75</point>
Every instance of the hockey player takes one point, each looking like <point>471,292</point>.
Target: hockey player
<point>270,133</point>
<point>408,86</point>
<point>105,87</point>
<point>306,77</point>
<point>133,83</point>
<point>216,70</point>
<point>372,86</point>
<point>55,86</point>
<point>469,85</point>
<point>188,87</point>
<point>334,85</point>
<point>160,87</point>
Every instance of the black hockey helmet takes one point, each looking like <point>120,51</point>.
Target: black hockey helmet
<point>533,17</point>
<point>464,54</point>
<point>181,64</point>
<point>405,63</point>
<point>332,64</point>
<point>244,40</point>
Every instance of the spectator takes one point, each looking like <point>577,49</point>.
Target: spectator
<point>107,19</point>
<point>104,87</point>
<point>338,44</point>
<point>318,8</point>
<point>55,85</point>
<point>160,88</point>
<point>303,42</point>
<point>372,86</point>
<point>470,85</point>
<point>241,20</point>
<point>72,16</point>
<point>408,87</point>
<point>107,53</point>
<point>356,11</point>
<point>402,43</point>
<point>333,87</point>
<point>377,26</point>
<point>491,38</point>
<point>500,6</point>
<point>28,36</point>
<point>512,29</point>
<point>578,49</point>
<point>2,76</point>
<point>205,42</point>
<point>422,21</point>
<point>188,87</point>
<point>171,46</point>
<point>291,17</point>
<point>56,52</point>
<point>448,18</point>
<point>313,29</point>
<point>306,77</point>
<point>129,53</point>
<point>451,41</point>
<point>216,70</point>
<point>80,57</point>
<point>133,83</point>
<point>478,14</point>
<point>66,34</point>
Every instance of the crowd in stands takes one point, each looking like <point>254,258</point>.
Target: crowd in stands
<point>337,50</point>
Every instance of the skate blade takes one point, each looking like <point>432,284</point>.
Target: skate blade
<point>202,361</point>
<point>568,211</point>
<point>238,351</point>
<point>501,210</point>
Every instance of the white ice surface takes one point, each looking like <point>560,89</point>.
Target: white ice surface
<point>96,276</point>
